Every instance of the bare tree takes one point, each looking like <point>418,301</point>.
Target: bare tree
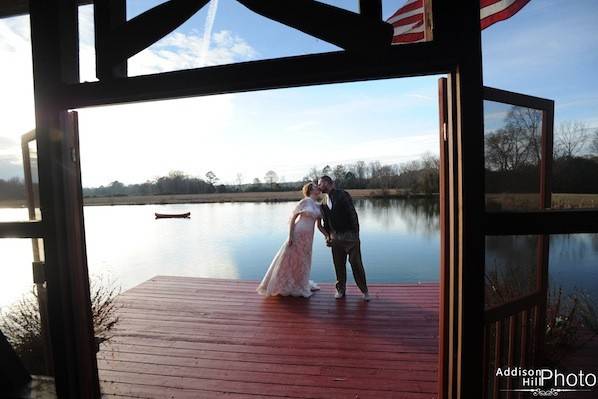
<point>239,180</point>
<point>526,124</point>
<point>571,139</point>
<point>508,149</point>
<point>360,170</point>
<point>594,143</point>
<point>313,174</point>
<point>339,172</point>
<point>211,178</point>
<point>271,178</point>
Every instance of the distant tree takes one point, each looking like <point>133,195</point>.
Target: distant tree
<point>339,172</point>
<point>571,139</point>
<point>211,178</point>
<point>360,170</point>
<point>271,178</point>
<point>594,143</point>
<point>117,188</point>
<point>312,175</point>
<point>239,180</point>
<point>509,148</point>
<point>526,123</point>
<point>327,170</point>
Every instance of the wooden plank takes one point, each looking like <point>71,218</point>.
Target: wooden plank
<point>549,221</point>
<point>195,337</point>
<point>333,67</point>
<point>26,229</point>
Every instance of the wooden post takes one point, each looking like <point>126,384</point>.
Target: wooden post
<point>54,42</point>
<point>428,21</point>
<point>108,14</point>
<point>468,262</point>
<point>42,295</point>
<point>371,8</point>
<point>445,234</point>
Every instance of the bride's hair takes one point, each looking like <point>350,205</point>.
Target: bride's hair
<point>307,189</point>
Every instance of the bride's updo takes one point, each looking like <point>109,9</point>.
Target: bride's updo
<point>307,189</point>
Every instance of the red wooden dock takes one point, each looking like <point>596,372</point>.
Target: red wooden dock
<point>182,337</point>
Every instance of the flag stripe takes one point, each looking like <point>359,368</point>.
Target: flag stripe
<point>408,21</point>
<point>511,9</point>
<point>413,19</point>
<point>408,38</point>
<point>395,19</point>
<point>410,6</point>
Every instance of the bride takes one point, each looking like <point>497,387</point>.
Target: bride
<point>288,273</point>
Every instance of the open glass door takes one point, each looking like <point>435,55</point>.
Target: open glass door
<point>79,300</point>
<point>518,136</point>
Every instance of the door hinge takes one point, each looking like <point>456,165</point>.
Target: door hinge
<point>444,135</point>
<point>39,272</point>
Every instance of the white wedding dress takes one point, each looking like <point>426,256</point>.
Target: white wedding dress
<point>288,273</point>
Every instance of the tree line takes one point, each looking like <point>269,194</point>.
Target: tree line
<point>513,155</point>
<point>418,176</point>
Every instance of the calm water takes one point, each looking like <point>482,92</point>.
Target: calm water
<point>400,243</point>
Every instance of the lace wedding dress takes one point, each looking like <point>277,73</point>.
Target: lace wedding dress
<point>288,273</point>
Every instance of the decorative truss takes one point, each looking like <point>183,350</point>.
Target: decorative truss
<point>118,39</point>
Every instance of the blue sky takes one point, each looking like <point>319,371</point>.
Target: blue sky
<point>548,49</point>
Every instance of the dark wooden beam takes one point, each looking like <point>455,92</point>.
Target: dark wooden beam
<point>54,42</point>
<point>107,15</point>
<point>371,9</point>
<point>425,59</point>
<point>464,18</point>
<point>518,99</point>
<point>13,375</point>
<point>550,221</point>
<point>22,229</point>
<point>343,28</point>
<point>13,8</point>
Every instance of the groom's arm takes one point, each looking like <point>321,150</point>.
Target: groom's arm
<point>352,212</point>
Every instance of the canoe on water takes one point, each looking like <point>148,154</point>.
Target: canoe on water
<point>185,215</point>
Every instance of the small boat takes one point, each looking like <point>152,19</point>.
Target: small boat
<point>185,215</point>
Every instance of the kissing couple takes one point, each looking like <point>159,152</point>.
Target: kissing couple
<point>337,220</point>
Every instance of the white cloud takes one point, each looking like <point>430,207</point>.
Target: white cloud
<point>124,129</point>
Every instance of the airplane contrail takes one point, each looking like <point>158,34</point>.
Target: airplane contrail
<point>207,33</point>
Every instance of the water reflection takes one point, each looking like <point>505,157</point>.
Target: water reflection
<point>400,243</point>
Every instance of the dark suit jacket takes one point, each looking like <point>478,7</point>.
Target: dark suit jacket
<point>342,217</point>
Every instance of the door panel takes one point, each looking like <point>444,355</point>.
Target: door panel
<point>518,150</point>
<point>82,319</point>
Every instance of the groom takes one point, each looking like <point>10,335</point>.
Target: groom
<point>342,224</point>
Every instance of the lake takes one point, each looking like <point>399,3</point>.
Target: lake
<point>400,243</point>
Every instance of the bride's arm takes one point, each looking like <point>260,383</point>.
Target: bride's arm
<point>292,228</point>
<point>322,229</point>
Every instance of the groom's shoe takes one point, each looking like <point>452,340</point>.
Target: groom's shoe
<point>366,297</point>
<point>339,295</point>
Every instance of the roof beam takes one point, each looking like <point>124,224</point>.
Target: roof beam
<point>13,8</point>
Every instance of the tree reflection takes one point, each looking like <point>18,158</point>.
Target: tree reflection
<point>420,215</point>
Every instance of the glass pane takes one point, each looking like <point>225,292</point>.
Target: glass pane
<point>16,102</point>
<point>512,149</point>
<point>23,312</point>
<point>575,166</point>
<point>510,270</point>
<point>572,314</point>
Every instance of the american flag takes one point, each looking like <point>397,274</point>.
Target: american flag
<point>409,24</point>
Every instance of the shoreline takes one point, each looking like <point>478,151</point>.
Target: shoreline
<point>276,196</point>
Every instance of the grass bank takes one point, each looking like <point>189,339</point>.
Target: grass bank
<point>229,197</point>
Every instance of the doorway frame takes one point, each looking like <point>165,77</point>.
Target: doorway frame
<point>455,50</point>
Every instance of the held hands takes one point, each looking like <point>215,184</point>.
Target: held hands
<point>328,240</point>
